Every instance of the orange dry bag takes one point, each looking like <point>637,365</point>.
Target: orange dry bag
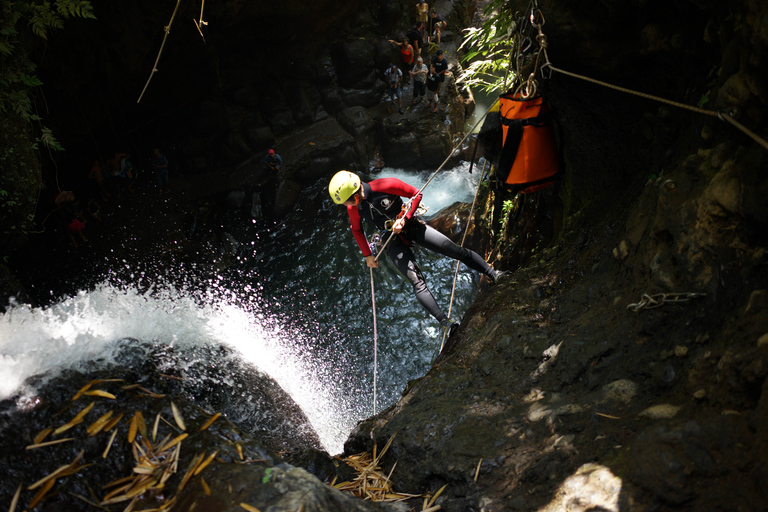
<point>529,156</point>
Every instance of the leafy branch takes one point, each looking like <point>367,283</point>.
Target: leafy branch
<point>490,50</point>
<point>20,179</point>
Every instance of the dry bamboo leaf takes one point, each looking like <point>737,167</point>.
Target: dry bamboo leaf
<point>49,443</point>
<point>123,489</point>
<point>249,508</point>
<point>66,426</point>
<point>190,470</point>
<point>205,463</point>
<point>240,451</point>
<point>161,443</point>
<point>101,393</point>
<point>177,416</point>
<point>434,498</point>
<point>116,499</point>
<point>608,416</point>
<point>176,440</point>
<point>432,509</point>
<point>81,391</point>
<point>131,386</point>
<point>91,503</point>
<point>142,485</point>
<point>50,476</point>
<point>79,416</point>
<point>75,421</point>
<point>210,421</point>
<point>41,494</point>
<point>114,421</point>
<point>151,393</point>
<point>144,470</point>
<point>99,424</point>
<point>386,447</point>
<point>141,424</point>
<point>132,429</point>
<point>42,435</point>
<point>15,500</point>
<point>206,489</point>
<point>109,445</point>
<point>154,428</point>
<point>118,482</point>
<point>477,471</point>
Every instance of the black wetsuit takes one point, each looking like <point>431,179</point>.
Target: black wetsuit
<point>383,203</point>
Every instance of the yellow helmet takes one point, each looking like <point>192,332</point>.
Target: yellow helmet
<point>343,185</point>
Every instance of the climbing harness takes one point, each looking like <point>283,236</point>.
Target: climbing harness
<point>659,299</point>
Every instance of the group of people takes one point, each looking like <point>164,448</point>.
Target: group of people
<point>118,176</point>
<point>427,75</point>
<point>107,182</point>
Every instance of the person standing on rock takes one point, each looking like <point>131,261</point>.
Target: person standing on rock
<point>416,37</point>
<point>433,84</point>
<point>436,26</point>
<point>407,54</point>
<point>393,78</point>
<point>419,79</point>
<point>422,11</point>
<point>380,203</point>
<point>441,66</point>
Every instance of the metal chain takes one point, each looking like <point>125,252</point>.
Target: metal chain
<point>659,299</point>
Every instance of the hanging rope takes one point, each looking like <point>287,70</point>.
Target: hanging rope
<point>722,115</point>
<point>201,23</point>
<point>463,239</point>
<point>154,67</point>
<point>375,343</point>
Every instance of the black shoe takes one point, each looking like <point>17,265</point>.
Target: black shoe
<point>448,327</point>
<point>401,110</point>
<point>498,275</point>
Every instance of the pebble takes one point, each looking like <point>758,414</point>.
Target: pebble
<point>681,351</point>
<point>659,412</point>
<point>700,394</point>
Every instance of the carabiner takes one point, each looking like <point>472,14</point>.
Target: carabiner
<point>533,18</point>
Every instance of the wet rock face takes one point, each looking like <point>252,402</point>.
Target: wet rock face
<point>137,430</point>
<point>563,390</point>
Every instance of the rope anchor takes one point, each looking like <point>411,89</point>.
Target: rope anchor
<point>648,301</point>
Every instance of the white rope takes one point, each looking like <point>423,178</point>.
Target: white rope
<point>375,342</point>
<point>463,239</point>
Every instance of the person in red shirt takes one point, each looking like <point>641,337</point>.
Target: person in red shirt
<point>380,203</point>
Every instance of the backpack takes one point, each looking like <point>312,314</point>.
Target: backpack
<point>521,135</point>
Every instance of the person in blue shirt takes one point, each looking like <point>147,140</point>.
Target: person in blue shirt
<point>273,162</point>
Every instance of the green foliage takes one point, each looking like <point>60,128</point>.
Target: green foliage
<point>21,131</point>
<point>490,50</point>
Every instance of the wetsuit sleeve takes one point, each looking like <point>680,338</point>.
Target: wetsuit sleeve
<point>357,230</point>
<point>400,188</point>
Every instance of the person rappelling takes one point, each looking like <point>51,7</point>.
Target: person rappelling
<point>380,203</point>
